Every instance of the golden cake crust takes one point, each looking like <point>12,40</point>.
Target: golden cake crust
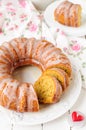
<point>20,96</point>
<point>60,75</point>
<point>68,13</point>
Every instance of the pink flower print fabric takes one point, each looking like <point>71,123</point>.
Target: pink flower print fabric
<point>75,47</point>
<point>32,26</point>
<point>23,3</point>
<point>18,18</point>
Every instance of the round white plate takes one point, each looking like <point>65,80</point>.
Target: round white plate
<point>49,18</point>
<point>47,112</point>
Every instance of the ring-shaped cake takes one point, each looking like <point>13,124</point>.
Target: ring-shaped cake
<point>22,96</point>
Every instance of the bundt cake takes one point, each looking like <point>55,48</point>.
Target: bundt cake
<point>60,75</point>
<point>21,96</point>
<point>68,13</point>
<point>48,89</point>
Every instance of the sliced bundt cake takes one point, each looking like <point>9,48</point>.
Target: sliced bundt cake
<point>59,61</point>
<point>21,96</point>
<point>60,75</point>
<point>68,13</point>
<point>48,89</point>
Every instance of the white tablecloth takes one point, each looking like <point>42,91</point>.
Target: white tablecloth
<point>20,18</point>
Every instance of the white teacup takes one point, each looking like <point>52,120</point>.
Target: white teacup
<point>41,4</point>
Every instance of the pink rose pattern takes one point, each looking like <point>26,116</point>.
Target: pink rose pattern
<point>23,17</point>
<point>32,26</point>
<point>1,14</point>
<point>22,3</point>
<point>11,9</point>
<point>76,47</point>
<point>77,50</point>
<point>63,33</point>
<point>8,4</point>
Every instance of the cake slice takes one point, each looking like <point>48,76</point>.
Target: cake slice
<point>68,13</point>
<point>48,89</point>
<point>59,61</point>
<point>60,75</point>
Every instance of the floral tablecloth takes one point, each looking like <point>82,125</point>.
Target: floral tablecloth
<point>19,18</point>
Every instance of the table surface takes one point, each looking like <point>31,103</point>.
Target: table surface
<point>59,123</point>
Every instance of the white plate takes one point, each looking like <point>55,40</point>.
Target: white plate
<point>47,112</point>
<point>49,18</point>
